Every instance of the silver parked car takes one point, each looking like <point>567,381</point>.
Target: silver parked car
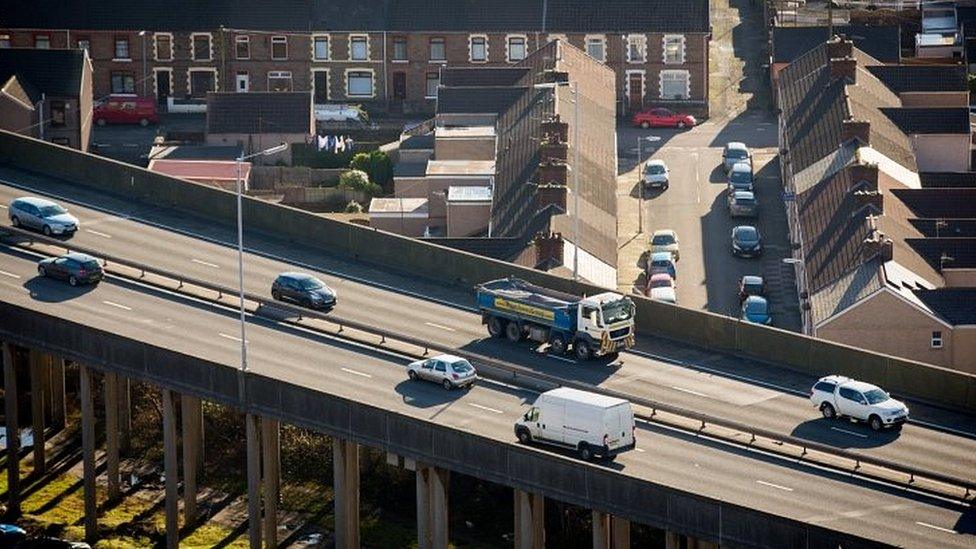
<point>43,215</point>
<point>734,153</point>
<point>743,204</point>
<point>448,370</point>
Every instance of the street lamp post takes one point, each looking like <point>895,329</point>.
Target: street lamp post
<point>145,77</point>
<point>240,240</point>
<point>640,181</point>
<point>800,285</point>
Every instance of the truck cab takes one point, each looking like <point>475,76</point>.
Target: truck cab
<point>603,323</point>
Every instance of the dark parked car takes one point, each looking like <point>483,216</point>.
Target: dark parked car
<point>746,241</point>
<point>743,204</point>
<point>755,309</point>
<point>303,289</point>
<point>740,178</point>
<point>76,268</point>
<point>10,535</point>
<point>751,285</point>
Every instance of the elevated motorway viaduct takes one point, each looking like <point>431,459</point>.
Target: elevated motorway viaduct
<point>360,396</point>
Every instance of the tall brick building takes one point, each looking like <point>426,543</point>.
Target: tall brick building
<point>384,54</point>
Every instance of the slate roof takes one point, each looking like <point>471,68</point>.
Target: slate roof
<point>479,100</point>
<point>921,78</point>
<point>947,179</point>
<point>958,228</point>
<point>952,203</point>
<point>53,72</point>
<point>627,16</point>
<point>927,120</point>
<point>418,143</point>
<point>881,42</point>
<point>260,112</point>
<point>848,289</point>
<point>481,76</point>
<point>956,305</point>
<point>961,250</point>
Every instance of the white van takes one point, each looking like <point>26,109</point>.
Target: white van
<point>591,424</point>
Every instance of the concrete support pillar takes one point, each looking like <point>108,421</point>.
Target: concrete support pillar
<point>251,422</point>
<point>432,509</point>
<point>58,410</point>
<point>345,459</point>
<point>88,452</point>
<point>37,409</point>
<point>12,428</point>
<point>601,530</point>
<point>172,473</point>
<point>530,517</point>
<point>191,414</point>
<point>125,415</point>
<point>111,398</point>
<point>271,452</point>
<point>620,530</point>
<point>672,540</point>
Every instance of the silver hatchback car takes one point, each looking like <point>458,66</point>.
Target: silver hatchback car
<point>448,370</point>
<point>43,215</point>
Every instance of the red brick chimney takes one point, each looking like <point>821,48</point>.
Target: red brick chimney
<point>555,130</point>
<point>551,195</point>
<point>549,248</point>
<point>861,129</point>
<point>839,47</point>
<point>877,245</point>
<point>844,67</point>
<point>551,173</point>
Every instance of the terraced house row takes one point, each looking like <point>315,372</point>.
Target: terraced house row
<point>385,54</point>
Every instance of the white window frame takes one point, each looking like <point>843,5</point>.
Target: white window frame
<point>508,47</point>
<point>557,36</point>
<point>156,36</point>
<point>367,58</point>
<point>189,78</point>
<point>279,39</point>
<point>687,75</point>
<point>664,48</point>
<point>328,84</point>
<point>372,78</point>
<point>156,79</point>
<point>242,39</point>
<point>48,37</point>
<point>430,43</point>
<point>328,47</point>
<point>115,47</point>
<point>471,38</point>
<point>406,47</point>
<point>641,40</point>
<point>426,96</point>
<point>602,39</point>
<point>193,47</point>
<point>937,341</point>
<point>280,75</point>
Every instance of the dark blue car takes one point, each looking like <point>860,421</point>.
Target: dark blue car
<point>755,309</point>
<point>303,289</point>
<point>76,268</point>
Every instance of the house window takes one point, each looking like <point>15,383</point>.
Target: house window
<point>122,47</point>
<point>164,47</point>
<point>201,82</point>
<point>516,48</point>
<point>478,49</point>
<point>242,47</point>
<point>937,340</point>
<point>320,48</point>
<point>433,80</point>
<point>636,48</point>
<point>58,114</point>
<point>674,49</point>
<point>674,85</point>
<point>359,84</point>
<point>200,44</point>
<point>42,42</point>
<point>359,47</point>
<point>4,40</point>
<point>279,48</point>
<point>84,43</point>
<point>400,48</point>
<point>279,81</point>
<point>596,47</point>
<point>123,82</point>
<point>437,52</point>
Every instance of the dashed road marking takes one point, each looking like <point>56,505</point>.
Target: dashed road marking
<point>438,326</point>
<point>689,391</point>
<point>934,527</point>
<point>207,263</point>
<point>117,305</point>
<point>777,486</point>
<point>98,233</point>
<point>228,336</point>
<point>354,372</point>
<point>487,409</point>
<point>564,359</point>
<point>862,435</point>
<point>11,275</point>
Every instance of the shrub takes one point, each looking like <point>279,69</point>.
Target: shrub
<point>357,180</point>
<point>376,164</point>
<point>353,207</point>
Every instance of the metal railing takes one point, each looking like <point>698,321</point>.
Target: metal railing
<point>513,373</point>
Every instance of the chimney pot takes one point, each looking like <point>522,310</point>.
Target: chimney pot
<point>844,67</point>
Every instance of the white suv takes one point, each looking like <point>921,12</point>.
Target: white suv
<point>837,396</point>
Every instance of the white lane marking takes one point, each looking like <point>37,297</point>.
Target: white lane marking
<point>228,336</point>
<point>777,486</point>
<point>689,391</point>
<point>432,325</point>
<point>480,407</point>
<point>117,305</point>
<point>207,263</point>
<point>354,372</point>
<point>11,275</point>
<point>934,527</point>
<point>563,359</point>
<point>4,206</point>
<point>98,233</point>
<point>641,450</point>
<point>862,435</point>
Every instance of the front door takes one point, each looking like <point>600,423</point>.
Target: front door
<point>321,85</point>
<point>399,86</point>
<point>243,82</point>
<point>636,87</point>
<point>162,86</point>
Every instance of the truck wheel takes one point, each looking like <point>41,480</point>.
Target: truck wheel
<point>523,435</point>
<point>583,351</point>
<point>585,453</point>
<point>513,332</point>
<point>557,345</point>
<point>875,423</point>
<point>496,327</point>
<point>828,410</point>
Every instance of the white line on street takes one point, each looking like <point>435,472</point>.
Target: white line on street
<point>207,263</point>
<point>689,391</point>
<point>934,527</point>
<point>480,407</point>
<point>641,450</point>
<point>862,435</point>
<point>228,336</point>
<point>117,305</point>
<point>97,233</point>
<point>564,359</point>
<point>777,486</point>
<point>4,206</point>
<point>354,372</point>
<point>11,275</point>
<point>432,325</point>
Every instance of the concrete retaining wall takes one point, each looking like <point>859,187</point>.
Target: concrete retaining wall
<point>507,463</point>
<point>276,177</point>
<point>785,349</point>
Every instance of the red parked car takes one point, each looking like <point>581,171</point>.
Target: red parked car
<point>663,118</point>
<point>126,109</point>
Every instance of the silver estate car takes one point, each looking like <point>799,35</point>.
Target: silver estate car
<point>448,370</point>
<point>42,215</point>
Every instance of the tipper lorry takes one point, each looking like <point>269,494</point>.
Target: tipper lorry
<point>589,326</point>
